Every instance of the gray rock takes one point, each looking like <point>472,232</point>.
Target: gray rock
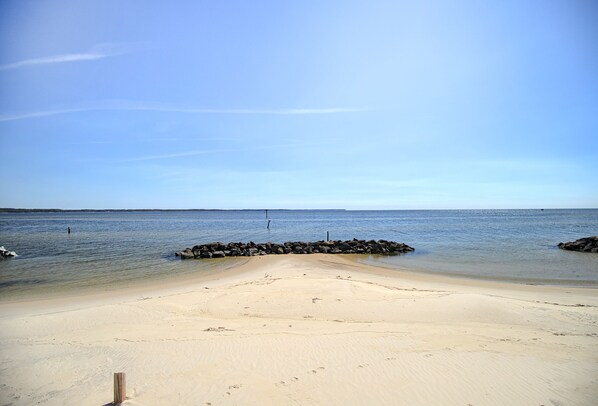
<point>587,244</point>
<point>186,254</point>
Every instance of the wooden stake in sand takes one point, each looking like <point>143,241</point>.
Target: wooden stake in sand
<point>120,388</point>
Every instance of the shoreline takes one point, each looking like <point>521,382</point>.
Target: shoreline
<point>306,329</point>
<point>122,287</point>
<point>588,284</point>
<point>173,283</point>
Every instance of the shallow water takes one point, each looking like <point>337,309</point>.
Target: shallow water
<point>107,249</point>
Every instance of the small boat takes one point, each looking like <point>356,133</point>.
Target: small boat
<point>4,253</point>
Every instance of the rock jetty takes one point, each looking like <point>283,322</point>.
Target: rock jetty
<point>588,244</point>
<point>4,253</point>
<point>239,249</point>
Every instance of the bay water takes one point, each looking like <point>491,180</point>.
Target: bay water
<point>109,249</point>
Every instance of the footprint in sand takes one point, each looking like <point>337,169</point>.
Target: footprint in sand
<point>218,329</point>
<point>284,383</point>
<point>235,386</point>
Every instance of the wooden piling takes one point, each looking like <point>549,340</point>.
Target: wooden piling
<point>327,235</point>
<point>120,388</point>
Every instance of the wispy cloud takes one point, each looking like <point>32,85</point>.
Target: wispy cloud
<point>175,155</point>
<point>225,150</point>
<point>132,106</point>
<point>43,113</point>
<point>283,112</point>
<point>99,51</point>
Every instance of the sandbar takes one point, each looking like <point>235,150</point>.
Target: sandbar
<point>306,330</point>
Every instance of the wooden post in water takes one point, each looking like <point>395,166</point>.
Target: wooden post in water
<point>327,235</point>
<point>120,388</point>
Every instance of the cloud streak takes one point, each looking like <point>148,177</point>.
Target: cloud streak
<point>120,106</point>
<point>175,155</point>
<point>96,52</point>
<point>222,150</point>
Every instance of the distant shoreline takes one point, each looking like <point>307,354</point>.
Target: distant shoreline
<point>20,210</point>
<point>11,210</point>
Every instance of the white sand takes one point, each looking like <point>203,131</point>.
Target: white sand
<point>307,330</point>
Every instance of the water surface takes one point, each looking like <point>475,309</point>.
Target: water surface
<point>106,249</point>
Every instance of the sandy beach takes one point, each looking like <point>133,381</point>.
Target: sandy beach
<point>306,330</point>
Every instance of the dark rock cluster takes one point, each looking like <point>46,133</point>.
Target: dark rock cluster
<point>238,249</point>
<point>588,244</point>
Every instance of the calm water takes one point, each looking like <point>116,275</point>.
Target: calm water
<point>111,248</point>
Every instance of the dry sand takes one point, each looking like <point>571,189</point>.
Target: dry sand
<point>307,330</point>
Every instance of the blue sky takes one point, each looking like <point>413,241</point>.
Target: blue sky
<point>270,104</point>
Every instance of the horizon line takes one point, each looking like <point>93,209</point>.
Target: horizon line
<point>16,210</point>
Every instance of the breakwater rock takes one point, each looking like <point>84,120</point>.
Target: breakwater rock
<point>588,244</point>
<point>4,253</point>
<point>239,249</point>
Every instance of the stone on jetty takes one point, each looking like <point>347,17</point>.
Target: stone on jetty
<point>4,253</point>
<point>588,244</point>
<point>239,249</point>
